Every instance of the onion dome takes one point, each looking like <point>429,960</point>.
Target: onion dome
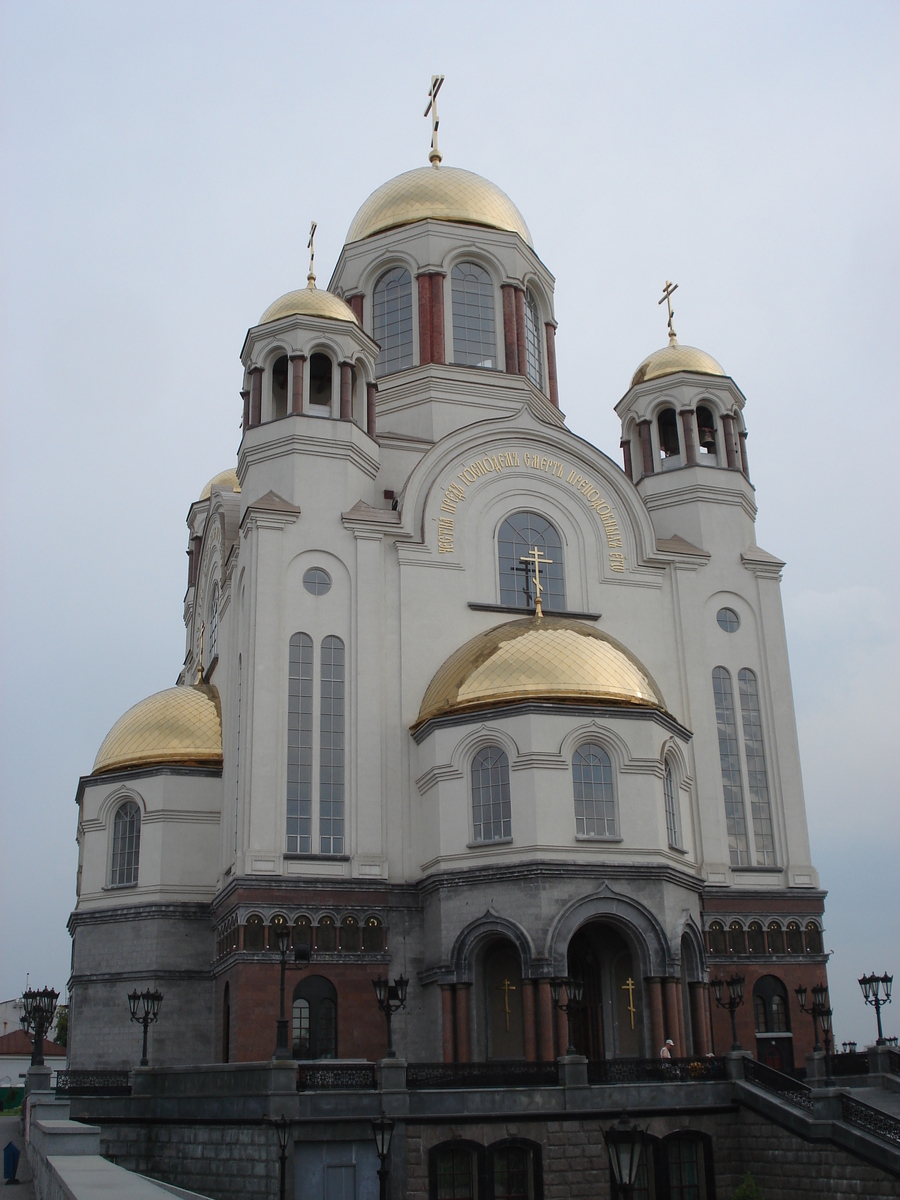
<point>439,194</point>
<point>309,302</point>
<point>181,726</point>
<point>225,481</point>
<point>538,659</point>
<point>674,358</point>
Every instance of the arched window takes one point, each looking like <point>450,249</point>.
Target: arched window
<point>671,813</point>
<point>775,938</point>
<point>331,749</point>
<point>770,1005</point>
<point>514,1170</point>
<point>491,812</point>
<point>667,427</point>
<point>392,321</point>
<point>706,431</point>
<point>126,847</point>
<point>756,938</point>
<point>457,1169</point>
<point>226,1023</point>
<point>813,938</point>
<point>350,935</point>
<point>326,935</point>
<point>533,338</point>
<point>760,808</point>
<point>737,943</point>
<point>279,921</point>
<point>280,387</point>
<point>299,744</point>
<point>474,331</point>
<point>519,535</point>
<point>320,380</point>
<point>689,1165</point>
<point>301,934</point>
<point>214,625</point>
<point>794,938</point>
<point>255,933</point>
<point>716,937</point>
<point>373,936</point>
<point>729,756</point>
<point>595,804</point>
<point>759,1014</point>
<point>314,1012</point>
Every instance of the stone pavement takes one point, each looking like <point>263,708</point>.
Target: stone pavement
<point>877,1097</point>
<point>10,1131</point>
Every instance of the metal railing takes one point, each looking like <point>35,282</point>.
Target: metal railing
<point>92,1083</point>
<point>785,1086</point>
<point>870,1119</point>
<point>482,1075</point>
<point>322,1077</point>
<point>840,1065</point>
<point>655,1070</point>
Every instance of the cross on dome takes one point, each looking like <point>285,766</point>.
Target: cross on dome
<point>434,155</point>
<point>667,300</point>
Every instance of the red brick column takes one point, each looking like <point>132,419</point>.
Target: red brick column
<point>425,319</point>
<point>528,1020</point>
<point>356,303</point>
<point>646,447</point>
<point>550,330</point>
<point>447,1020</point>
<point>463,1037</point>
<point>699,1020</point>
<point>690,441</point>
<point>297,362</point>
<point>255,395</point>
<point>545,1012</point>
<point>520,329</point>
<point>437,318</point>
<point>371,390</point>
<point>657,1029</point>
<point>346,398</point>
<point>245,399</point>
<point>681,1040</point>
<point>625,443</point>
<point>670,998</point>
<point>742,440</point>
<point>728,431</point>
<point>510,336</point>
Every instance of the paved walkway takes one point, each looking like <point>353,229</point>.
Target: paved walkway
<point>877,1097</point>
<point>10,1132</point>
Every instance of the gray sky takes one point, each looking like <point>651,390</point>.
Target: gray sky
<point>162,164</point>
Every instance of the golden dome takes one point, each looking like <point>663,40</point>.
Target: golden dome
<point>309,302</point>
<point>181,726</point>
<point>551,658</point>
<point>674,358</point>
<point>441,194</point>
<point>224,480</point>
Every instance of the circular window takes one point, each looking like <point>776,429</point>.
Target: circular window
<point>727,617</point>
<point>318,582</point>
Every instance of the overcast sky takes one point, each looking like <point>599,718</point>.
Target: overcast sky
<point>162,163</point>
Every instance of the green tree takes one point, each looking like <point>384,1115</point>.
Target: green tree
<point>748,1189</point>
<point>62,1025</point>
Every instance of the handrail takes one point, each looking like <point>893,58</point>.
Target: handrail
<point>655,1070</point>
<point>496,1073</point>
<point>325,1076</point>
<point>92,1083</point>
<point>785,1086</point>
<point>872,1120</point>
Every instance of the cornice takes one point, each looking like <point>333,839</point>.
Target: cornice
<point>547,708</point>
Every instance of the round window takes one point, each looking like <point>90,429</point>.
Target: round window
<point>727,618</point>
<point>316,581</point>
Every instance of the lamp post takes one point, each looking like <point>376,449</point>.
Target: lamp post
<point>816,1010</point>
<point>574,993</point>
<point>282,1129</point>
<point>383,1129</point>
<point>145,1010</point>
<point>390,997</point>
<point>735,986</point>
<point>39,1007</point>
<point>876,990</point>
<point>302,954</point>
<point>625,1144</point>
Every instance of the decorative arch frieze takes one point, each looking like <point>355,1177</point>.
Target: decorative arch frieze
<point>484,929</point>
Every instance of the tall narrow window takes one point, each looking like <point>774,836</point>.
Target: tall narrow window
<point>735,820</point>
<point>760,808</point>
<point>214,625</point>
<point>595,805</point>
<point>320,379</point>
<point>392,321</point>
<point>237,757</point>
<point>280,388</point>
<point>314,1018</point>
<point>474,332</point>
<point>685,1159</point>
<point>126,848</point>
<point>491,811</point>
<point>519,535</point>
<point>533,357</point>
<point>331,749</point>
<point>299,744</point>
<point>669,791</point>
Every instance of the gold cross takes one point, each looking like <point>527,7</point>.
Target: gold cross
<point>537,560</point>
<point>506,987</point>
<point>628,986</point>
<point>667,300</point>
<point>434,155</point>
<point>311,278</point>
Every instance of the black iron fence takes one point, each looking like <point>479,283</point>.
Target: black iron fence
<point>346,1077</point>
<point>785,1086</point>
<point>655,1070</point>
<point>840,1065</point>
<point>872,1120</point>
<point>92,1083</point>
<point>482,1075</point>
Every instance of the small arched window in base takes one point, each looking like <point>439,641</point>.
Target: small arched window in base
<point>314,1019</point>
<point>126,847</point>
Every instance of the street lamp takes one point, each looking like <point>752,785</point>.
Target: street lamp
<point>574,993</point>
<point>282,1129</point>
<point>625,1144</point>
<point>301,959</point>
<point>849,1047</point>
<point>145,1010</point>
<point>735,986</point>
<point>390,997</point>
<point>872,986</point>
<point>816,1010</point>
<point>39,1007</point>
<point>383,1129</point>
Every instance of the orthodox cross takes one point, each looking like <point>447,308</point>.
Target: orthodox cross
<point>434,155</point>
<point>200,659</point>
<point>506,987</point>
<point>311,279</point>
<point>628,986</point>
<point>667,300</point>
<point>537,560</point>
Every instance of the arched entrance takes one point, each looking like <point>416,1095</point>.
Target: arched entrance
<point>771,1016</point>
<point>610,1023</point>
<point>503,1006</point>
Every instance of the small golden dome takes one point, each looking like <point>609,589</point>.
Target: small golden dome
<point>181,726</point>
<point>674,358</point>
<point>547,658</point>
<point>309,302</point>
<point>224,481</point>
<point>440,194</point>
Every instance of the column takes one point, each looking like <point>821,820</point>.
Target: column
<point>463,1039</point>
<point>562,1033</point>
<point>670,999</point>
<point>447,1021</point>
<point>680,1040</point>
<point>545,1013</point>
<point>245,400</point>
<point>255,395</point>
<point>657,1029</point>
<point>528,1020</point>
<point>371,390</point>
<point>346,397</point>
<point>356,303</point>
<point>424,282</point>
<point>688,421</point>
<point>550,330</point>
<point>520,329</point>
<point>699,1020</point>
<point>742,440</point>
<point>646,447</point>
<point>297,362</point>
<point>728,432</point>
<point>625,443</point>
<point>437,317</point>
<point>510,338</point>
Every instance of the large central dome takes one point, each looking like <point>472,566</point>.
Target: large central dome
<point>439,194</point>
